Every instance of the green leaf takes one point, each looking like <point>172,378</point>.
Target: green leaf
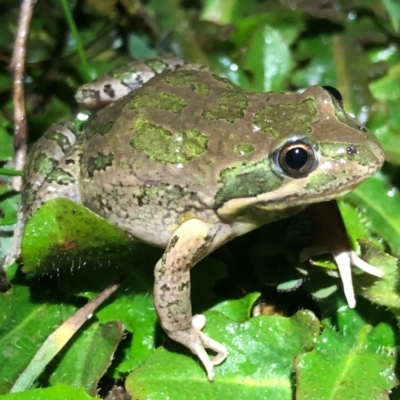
<point>92,350</point>
<point>269,59</point>
<point>62,227</point>
<point>135,309</point>
<point>25,324</point>
<point>259,364</point>
<point>387,87</point>
<point>222,11</point>
<point>10,172</point>
<point>58,392</point>
<point>393,9</point>
<point>383,291</point>
<point>357,224</point>
<point>355,363</point>
<point>321,67</point>
<point>380,204</point>
<point>6,139</point>
<point>385,123</point>
<point>238,310</point>
<point>75,240</point>
<point>385,119</point>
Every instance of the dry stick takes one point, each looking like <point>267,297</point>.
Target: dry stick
<point>18,68</point>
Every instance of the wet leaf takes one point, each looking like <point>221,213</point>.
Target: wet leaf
<point>93,350</point>
<point>30,312</point>
<point>379,203</point>
<point>355,363</point>
<point>268,59</point>
<point>63,228</point>
<point>238,310</point>
<point>383,291</point>
<point>393,10</point>
<point>259,365</point>
<point>57,392</point>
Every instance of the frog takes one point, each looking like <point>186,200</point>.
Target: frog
<point>183,159</point>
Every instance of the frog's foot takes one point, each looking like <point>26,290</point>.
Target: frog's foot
<point>344,260</point>
<point>197,342</point>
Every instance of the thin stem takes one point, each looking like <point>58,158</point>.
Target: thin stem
<point>18,68</point>
<point>75,34</point>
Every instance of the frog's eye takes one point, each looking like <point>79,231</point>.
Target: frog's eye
<point>334,93</point>
<point>296,159</point>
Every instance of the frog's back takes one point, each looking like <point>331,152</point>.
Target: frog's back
<point>158,154</point>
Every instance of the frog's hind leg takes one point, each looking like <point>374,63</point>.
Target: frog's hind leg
<point>191,242</point>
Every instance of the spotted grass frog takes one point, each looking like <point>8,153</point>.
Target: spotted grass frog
<point>185,160</point>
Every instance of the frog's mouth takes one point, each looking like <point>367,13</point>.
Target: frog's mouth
<point>299,193</point>
<point>295,193</point>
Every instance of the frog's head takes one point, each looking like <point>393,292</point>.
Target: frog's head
<point>334,155</point>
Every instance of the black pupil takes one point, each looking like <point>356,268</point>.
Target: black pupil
<point>296,158</point>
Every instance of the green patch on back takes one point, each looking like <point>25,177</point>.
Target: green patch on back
<point>187,79</point>
<point>230,107</point>
<point>246,180</point>
<point>286,119</point>
<point>43,164</point>
<point>163,193</point>
<point>60,176</point>
<point>161,100</point>
<point>167,147</point>
<point>99,163</point>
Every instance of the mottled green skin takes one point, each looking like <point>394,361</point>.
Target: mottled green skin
<point>191,142</point>
<point>189,161</point>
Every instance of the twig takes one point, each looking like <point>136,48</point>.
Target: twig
<point>18,68</point>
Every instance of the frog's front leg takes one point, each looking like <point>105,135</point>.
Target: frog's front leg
<point>191,242</point>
